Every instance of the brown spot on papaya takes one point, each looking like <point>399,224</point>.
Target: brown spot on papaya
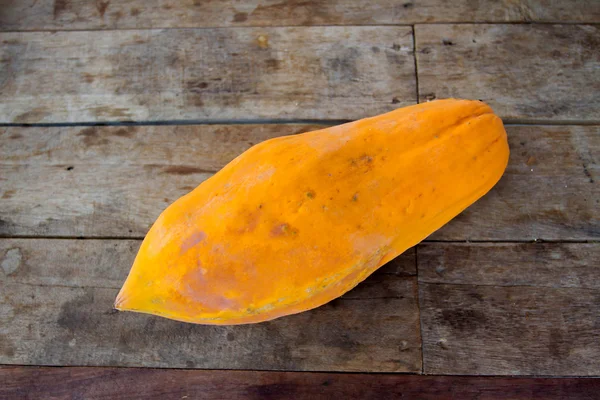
<point>311,194</point>
<point>249,221</point>
<point>283,230</point>
<point>192,241</point>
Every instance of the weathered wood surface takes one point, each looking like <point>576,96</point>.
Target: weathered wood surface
<point>554,265</point>
<point>525,72</point>
<point>144,383</point>
<point>114,181</point>
<point>56,309</point>
<point>200,74</point>
<point>31,15</point>
<point>529,309</point>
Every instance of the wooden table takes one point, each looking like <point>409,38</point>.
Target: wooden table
<point>111,110</point>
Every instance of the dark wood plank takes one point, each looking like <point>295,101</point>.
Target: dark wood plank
<point>523,312</point>
<point>134,14</point>
<point>200,74</point>
<point>525,72</point>
<point>114,181</point>
<point>56,309</point>
<point>144,383</point>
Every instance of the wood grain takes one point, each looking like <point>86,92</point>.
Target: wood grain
<point>525,72</point>
<point>57,300</point>
<point>205,74</point>
<point>144,383</point>
<point>203,147</point>
<point>529,309</point>
<point>114,181</point>
<point>553,265</point>
<point>136,14</point>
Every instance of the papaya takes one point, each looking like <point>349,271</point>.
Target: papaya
<point>297,221</point>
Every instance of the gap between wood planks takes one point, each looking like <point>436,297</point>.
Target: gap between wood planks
<point>303,372</point>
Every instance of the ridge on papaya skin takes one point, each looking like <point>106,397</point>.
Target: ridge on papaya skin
<point>297,221</point>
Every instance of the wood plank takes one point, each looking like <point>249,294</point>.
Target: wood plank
<point>525,72</point>
<point>519,314</point>
<point>136,14</point>
<point>57,300</point>
<point>555,265</point>
<point>205,74</point>
<point>203,147</point>
<point>114,181</point>
<point>144,383</point>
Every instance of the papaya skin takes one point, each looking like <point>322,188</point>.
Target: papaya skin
<point>297,221</point>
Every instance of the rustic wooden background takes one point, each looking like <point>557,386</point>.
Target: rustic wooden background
<point>110,110</point>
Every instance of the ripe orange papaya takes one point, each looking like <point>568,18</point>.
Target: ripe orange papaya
<point>299,220</point>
